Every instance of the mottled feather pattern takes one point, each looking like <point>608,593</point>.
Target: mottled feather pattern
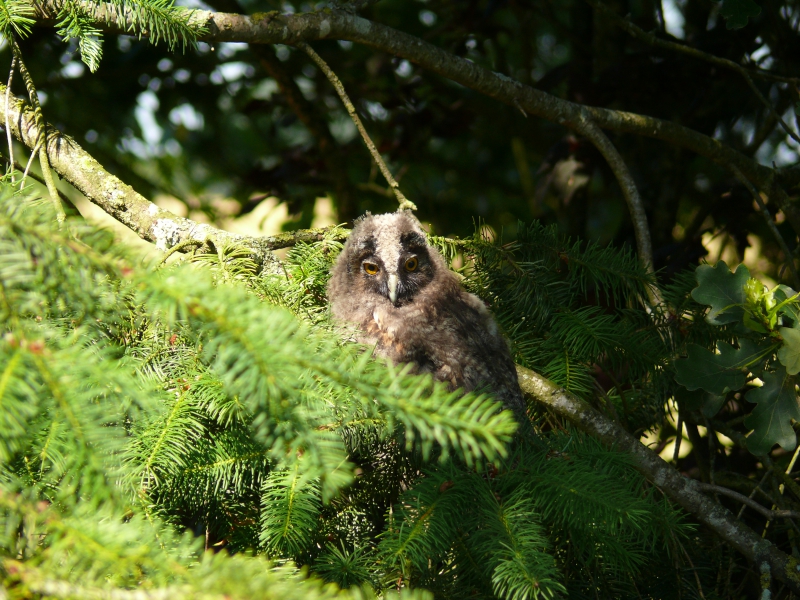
<point>399,294</point>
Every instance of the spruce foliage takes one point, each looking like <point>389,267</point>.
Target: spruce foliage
<point>201,427</point>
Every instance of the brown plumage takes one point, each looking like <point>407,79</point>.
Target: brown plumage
<point>397,290</point>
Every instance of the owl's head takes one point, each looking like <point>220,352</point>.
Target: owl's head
<point>388,255</point>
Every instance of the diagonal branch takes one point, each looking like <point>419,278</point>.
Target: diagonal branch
<point>121,201</point>
<point>405,203</point>
<point>770,223</point>
<point>167,230</point>
<point>629,190</point>
<point>685,492</point>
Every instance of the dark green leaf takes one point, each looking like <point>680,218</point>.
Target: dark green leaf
<point>717,373</point>
<point>736,12</point>
<point>789,354</point>
<point>708,404</point>
<point>790,309</point>
<point>722,290</point>
<point>771,420</point>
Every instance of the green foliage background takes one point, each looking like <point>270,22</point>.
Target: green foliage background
<point>173,428</point>
<point>201,429</point>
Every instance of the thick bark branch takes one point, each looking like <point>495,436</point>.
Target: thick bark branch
<point>685,492</point>
<point>274,28</point>
<point>133,210</point>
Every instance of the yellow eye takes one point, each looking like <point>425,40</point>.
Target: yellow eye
<point>371,268</point>
<point>411,264</point>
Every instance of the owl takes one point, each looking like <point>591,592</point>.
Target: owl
<point>399,294</point>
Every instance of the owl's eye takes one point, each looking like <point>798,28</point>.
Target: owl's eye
<point>371,268</point>
<point>411,264</point>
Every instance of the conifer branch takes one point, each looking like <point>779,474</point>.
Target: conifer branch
<point>681,490</point>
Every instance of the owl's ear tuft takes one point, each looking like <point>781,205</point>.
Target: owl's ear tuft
<point>358,220</point>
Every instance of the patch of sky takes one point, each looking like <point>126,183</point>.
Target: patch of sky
<point>427,17</point>
<point>404,69</point>
<point>264,89</point>
<point>376,110</point>
<point>226,50</point>
<point>307,87</point>
<point>343,129</point>
<point>187,116</point>
<point>145,113</point>
<point>746,128</point>
<point>674,20</point>
<point>231,71</point>
<point>73,69</point>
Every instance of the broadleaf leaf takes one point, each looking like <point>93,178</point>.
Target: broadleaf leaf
<point>717,373</point>
<point>722,290</point>
<point>789,353</point>
<point>771,420</point>
<point>737,12</point>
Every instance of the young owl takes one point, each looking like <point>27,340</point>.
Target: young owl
<point>400,294</point>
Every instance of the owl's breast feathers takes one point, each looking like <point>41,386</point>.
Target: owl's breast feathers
<point>451,335</point>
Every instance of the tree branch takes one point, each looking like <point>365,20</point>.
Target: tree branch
<point>638,216</point>
<point>769,514</point>
<point>274,28</point>
<point>747,74</point>
<point>122,202</point>
<point>685,492</point>
<point>770,223</point>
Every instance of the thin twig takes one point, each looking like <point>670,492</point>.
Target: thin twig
<point>34,154</point>
<point>651,39</point>
<point>694,570</point>
<point>644,36</point>
<point>678,438</point>
<point>644,246</point>
<point>405,203</point>
<point>753,493</point>
<point>768,105</point>
<point>8,129</point>
<point>768,218</point>
<point>769,514</point>
<point>177,247</point>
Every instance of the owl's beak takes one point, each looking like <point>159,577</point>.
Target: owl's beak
<point>393,288</point>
